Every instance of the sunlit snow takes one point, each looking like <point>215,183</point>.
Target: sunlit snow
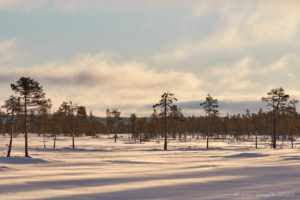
<point>98,168</point>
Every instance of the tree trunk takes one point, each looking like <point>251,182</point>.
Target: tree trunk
<point>19,123</point>
<point>274,128</point>
<point>274,135</point>
<point>207,141</point>
<point>208,131</point>
<point>11,133</point>
<point>73,144</point>
<point>140,138</point>
<point>255,139</point>
<point>115,134</point>
<point>44,139</point>
<point>26,142</point>
<point>165,146</point>
<point>54,138</point>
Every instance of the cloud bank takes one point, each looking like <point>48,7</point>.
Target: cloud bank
<point>105,80</point>
<point>101,81</point>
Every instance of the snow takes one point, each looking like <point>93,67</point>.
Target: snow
<point>100,169</point>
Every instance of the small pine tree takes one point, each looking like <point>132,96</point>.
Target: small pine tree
<point>210,107</point>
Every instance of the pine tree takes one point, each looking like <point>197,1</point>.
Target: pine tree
<point>173,118</point>
<point>63,111</point>
<point>55,124</point>
<point>108,121</point>
<point>291,110</point>
<point>141,127</point>
<point>249,128</point>
<point>181,120</point>
<point>33,95</point>
<point>132,125</point>
<point>81,118</point>
<point>115,119</point>
<point>226,125</point>
<point>72,121</point>
<point>154,124</point>
<point>43,116</point>
<point>19,113</point>
<point>2,118</point>
<point>12,105</point>
<point>210,107</point>
<point>276,101</point>
<point>165,103</point>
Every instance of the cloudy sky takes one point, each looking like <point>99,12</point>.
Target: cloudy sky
<point>125,53</point>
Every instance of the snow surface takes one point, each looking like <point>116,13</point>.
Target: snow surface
<point>100,169</point>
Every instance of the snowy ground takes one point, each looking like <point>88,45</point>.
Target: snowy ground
<point>100,169</point>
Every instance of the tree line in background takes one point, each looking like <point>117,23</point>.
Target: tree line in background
<point>29,111</point>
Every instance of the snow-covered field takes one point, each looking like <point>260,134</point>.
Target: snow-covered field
<point>100,169</point>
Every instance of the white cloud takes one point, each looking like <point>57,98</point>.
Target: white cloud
<point>104,80</point>
<point>284,64</point>
<point>99,82</point>
<point>247,79</point>
<point>235,77</point>
<point>101,70</point>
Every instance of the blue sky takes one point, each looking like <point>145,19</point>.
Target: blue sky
<point>125,54</point>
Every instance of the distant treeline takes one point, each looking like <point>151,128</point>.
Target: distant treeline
<point>31,112</point>
<point>178,126</point>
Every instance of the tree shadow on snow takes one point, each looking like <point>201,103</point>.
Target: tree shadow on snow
<point>292,158</point>
<point>21,160</point>
<point>246,155</point>
<point>243,155</point>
